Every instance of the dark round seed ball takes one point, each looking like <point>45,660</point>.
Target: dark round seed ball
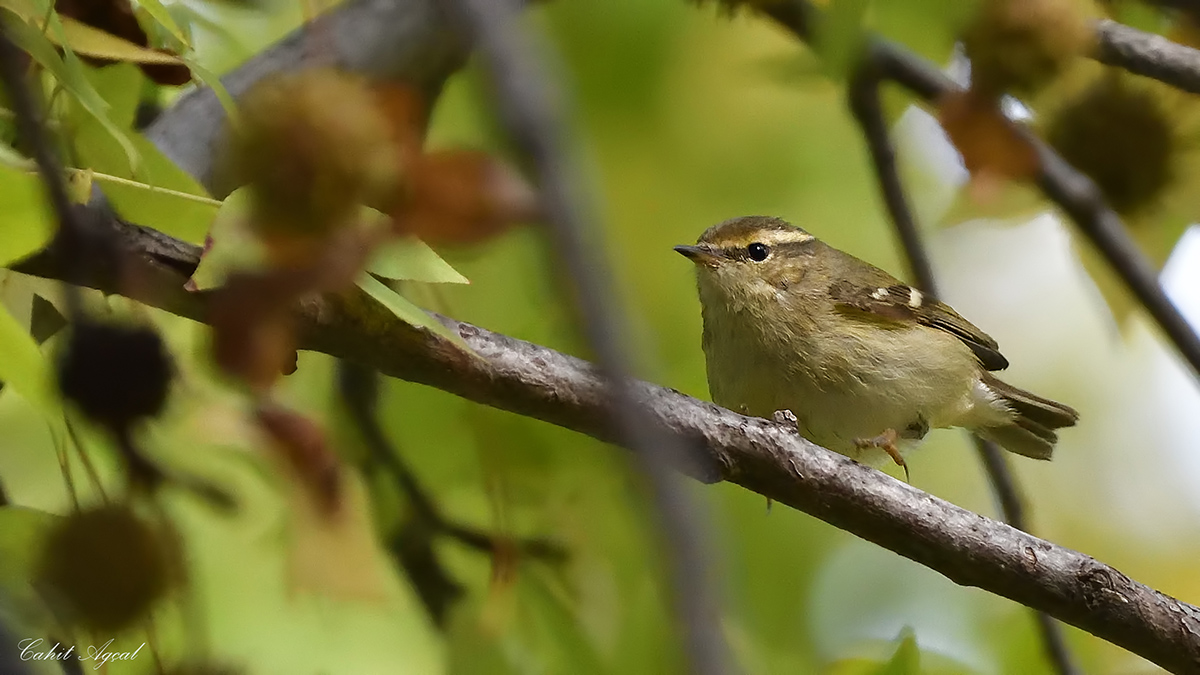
<point>1120,136</point>
<point>116,374</point>
<point>105,567</point>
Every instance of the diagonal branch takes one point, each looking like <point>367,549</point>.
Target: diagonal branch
<point>864,103</point>
<point>757,454</point>
<point>1148,54</point>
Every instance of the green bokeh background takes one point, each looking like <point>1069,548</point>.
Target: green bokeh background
<point>685,118</point>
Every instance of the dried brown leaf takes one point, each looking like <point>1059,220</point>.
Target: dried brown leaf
<point>302,444</point>
<point>992,147</point>
<point>465,196</point>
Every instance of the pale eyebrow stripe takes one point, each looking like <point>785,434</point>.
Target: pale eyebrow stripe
<point>777,237</point>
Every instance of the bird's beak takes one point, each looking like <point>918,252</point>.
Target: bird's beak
<point>701,254</point>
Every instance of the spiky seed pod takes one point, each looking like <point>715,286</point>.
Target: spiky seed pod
<point>313,145</point>
<point>1018,45</point>
<point>1120,135</point>
<point>106,567</point>
<point>117,375</point>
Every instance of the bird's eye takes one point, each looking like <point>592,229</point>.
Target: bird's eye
<point>758,252</point>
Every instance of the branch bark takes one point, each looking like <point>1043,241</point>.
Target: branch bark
<point>757,454</point>
<point>1148,54</point>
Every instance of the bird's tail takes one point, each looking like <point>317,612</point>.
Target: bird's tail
<point>1031,431</point>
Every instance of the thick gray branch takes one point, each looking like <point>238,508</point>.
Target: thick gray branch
<point>1148,54</point>
<point>407,40</point>
<point>757,454</point>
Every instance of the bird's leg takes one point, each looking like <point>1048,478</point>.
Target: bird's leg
<point>886,442</point>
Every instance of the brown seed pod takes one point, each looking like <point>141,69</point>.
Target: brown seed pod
<point>1119,134</point>
<point>1019,45</point>
<point>106,567</point>
<point>313,145</point>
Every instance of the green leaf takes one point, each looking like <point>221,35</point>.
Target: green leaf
<point>23,532</point>
<point>213,82</point>
<point>90,41</point>
<point>410,259</point>
<point>233,247</point>
<point>71,74</point>
<point>164,19</point>
<point>907,658</point>
<point>176,215</point>
<point>23,366</point>
<point>26,222</point>
<point>407,311</point>
<point>9,157</point>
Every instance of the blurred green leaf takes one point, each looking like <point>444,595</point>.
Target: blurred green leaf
<point>177,216</point>
<point>71,74</point>
<point>26,223</point>
<point>164,19</point>
<point>906,660</point>
<point>21,534</point>
<point>213,82</point>
<point>22,365</point>
<point>90,41</point>
<point>406,311</point>
<point>232,246</point>
<point>410,259</point>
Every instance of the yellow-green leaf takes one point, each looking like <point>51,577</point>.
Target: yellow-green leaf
<point>23,366</point>
<point>71,74</point>
<point>234,247</point>
<point>145,196</point>
<point>407,311</point>
<point>410,259</point>
<point>90,41</point>
<point>26,221</point>
<point>164,19</point>
<point>120,85</point>
<point>907,658</point>
<point>213,82</point>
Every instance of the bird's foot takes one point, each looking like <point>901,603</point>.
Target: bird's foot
<point>887,443</point>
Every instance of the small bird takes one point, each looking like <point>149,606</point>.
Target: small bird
<point>866,364</point>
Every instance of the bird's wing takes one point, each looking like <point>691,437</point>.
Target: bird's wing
<point>897,303</point>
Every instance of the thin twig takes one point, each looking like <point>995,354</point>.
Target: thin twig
<point>30,123</point>
<point>526,103</point>
<point>359,388</point>
<point>863,93</point>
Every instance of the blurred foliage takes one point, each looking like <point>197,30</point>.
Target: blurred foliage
<point>685,117</point>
